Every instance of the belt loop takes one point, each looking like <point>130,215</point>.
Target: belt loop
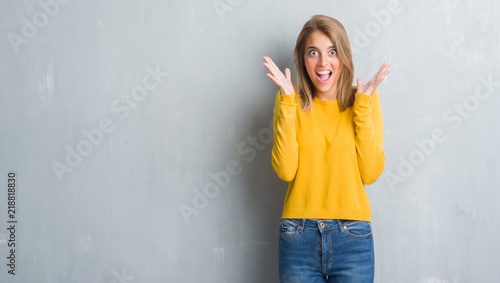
<point>341,226</point>
<point>302,224</point>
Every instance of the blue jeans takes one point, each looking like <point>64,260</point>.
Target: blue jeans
<point>326,250</point>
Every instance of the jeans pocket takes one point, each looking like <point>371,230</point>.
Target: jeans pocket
<point>289,227</point>
<point>358,229</point>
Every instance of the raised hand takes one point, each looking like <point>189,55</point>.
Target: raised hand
<point>284,82</point>
<point>372,84</point>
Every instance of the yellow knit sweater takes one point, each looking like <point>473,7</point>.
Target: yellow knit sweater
<point>328,156</point>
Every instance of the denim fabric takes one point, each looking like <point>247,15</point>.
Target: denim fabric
<point>326,250</point>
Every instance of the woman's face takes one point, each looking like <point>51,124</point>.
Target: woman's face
<point>322,64</point>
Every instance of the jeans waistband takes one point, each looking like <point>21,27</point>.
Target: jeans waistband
<point>322,223</point>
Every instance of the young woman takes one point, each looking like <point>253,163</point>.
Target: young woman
<point>328,143</point>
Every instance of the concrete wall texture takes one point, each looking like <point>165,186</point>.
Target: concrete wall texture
<point>136,137</point>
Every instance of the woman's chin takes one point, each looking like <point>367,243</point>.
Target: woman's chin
<point>323,88</point>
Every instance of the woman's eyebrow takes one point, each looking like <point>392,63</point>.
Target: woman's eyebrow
<point>314,47</point>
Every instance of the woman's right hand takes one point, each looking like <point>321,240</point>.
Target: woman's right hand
<point>284,82</point>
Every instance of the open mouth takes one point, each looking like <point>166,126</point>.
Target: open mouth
<point>324,76</point>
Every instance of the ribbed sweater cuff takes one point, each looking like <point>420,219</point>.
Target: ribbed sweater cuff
<point>362,99</point>
<point>287,98</point>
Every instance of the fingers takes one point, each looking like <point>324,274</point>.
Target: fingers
<point>383,71</point>
<point>288,74</point>
<point>380,75</point>
<point>273,79</point>
<point>273,69</point>
<point>372,84</point>
<point>284,82</point>
<point>271,62</point>
<point>384,67</point>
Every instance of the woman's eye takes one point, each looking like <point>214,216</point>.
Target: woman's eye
<point>313,53</point>
<point>333,52</point>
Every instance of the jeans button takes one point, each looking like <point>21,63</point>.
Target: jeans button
<point>322,225</point>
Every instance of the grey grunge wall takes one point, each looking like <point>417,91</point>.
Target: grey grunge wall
<point>136,138</point>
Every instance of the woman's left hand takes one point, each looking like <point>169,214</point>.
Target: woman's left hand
<point>372,84</point>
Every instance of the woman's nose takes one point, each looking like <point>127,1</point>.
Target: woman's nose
<point>322,60</point>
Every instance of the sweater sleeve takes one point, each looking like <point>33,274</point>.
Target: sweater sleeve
<point>369,136</point>
<point>285,153</point>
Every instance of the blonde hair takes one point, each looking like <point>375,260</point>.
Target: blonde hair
<point>336,32</point>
